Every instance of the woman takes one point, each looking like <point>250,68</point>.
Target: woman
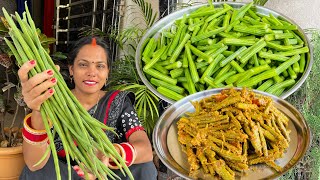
<point>89,69</point>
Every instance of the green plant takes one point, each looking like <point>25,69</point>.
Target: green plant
<point>124,74</point>
<point>148,14</point>
<point>260,2</point>
<point>9,136</point>
<point>11,100</point>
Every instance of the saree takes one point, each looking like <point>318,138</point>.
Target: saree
<point>115,109</point>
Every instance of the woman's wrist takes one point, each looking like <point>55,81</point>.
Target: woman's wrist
<point>31,135</point>
<point>130,152</point>
<point>36,120</point>
<point>127,152</point>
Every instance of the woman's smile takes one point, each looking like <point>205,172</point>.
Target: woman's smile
<point>90,82</point>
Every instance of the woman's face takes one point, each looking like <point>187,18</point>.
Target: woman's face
<point>90,69</point>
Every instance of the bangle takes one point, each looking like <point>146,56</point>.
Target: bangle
<point>127,152</point>
<point>33,136</point>
<point>27,123</point>
<point>113,165</point>
<point>130,153</point>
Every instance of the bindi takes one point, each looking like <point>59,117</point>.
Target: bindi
<point>94,42</point>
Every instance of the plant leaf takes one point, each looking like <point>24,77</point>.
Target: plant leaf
<point>139,93</point>
<point>131,87</point>
<point>148,14</point>
<point>153,104</point>
<point>144,108</point>
<point>139,105</point>
<point>154,96</point>
<point>4,24</point>
<point>149,105</point>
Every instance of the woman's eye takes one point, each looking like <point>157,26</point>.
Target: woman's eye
<point>82,64</point>
<point>101,66</point>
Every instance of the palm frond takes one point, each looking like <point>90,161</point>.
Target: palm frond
<point>123,71</point>
<point>133,86</point>
<point>145,104</point>
<point>147,12</point>
<point>124,75</point>
<point>260,2</point>
<point>89,31</point>
<point>129,36</point>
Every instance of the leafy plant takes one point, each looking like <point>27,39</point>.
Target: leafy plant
<point>124,75</point>
<point>260,2</point>
<point>11,136</point>
<point>147,12</point>
<point>146,102</point>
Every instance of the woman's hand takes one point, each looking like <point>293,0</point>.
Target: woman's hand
<point>37,89</point>
<point>105,159</point>
<point>81,173</point>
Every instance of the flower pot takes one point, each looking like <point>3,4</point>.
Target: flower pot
<point>11,163</point>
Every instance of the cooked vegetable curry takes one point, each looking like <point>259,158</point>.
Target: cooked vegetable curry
<point>230,131</point>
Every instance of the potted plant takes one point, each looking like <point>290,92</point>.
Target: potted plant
<point>10,104</point>
<point>12,108</point>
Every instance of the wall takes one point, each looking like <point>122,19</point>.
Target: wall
<point>132,12</point>
<point>131,15</point>
<point>37,11</point>
<point>10,6</point>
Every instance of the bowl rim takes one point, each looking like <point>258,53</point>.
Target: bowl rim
<point>157,140</point>
<point>161,24</point>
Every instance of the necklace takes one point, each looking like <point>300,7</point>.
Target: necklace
<point>96,106</point>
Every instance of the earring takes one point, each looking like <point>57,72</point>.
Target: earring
<point>71,79</point>
<point>105,84</point>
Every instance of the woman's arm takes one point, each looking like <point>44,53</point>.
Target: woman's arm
<point>32,153</point>
<point>139,140</point>
<point>142,145</point>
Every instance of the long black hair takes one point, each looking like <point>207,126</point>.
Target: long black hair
<point>74,49</point>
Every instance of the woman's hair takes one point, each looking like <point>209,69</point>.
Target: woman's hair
<point>74,50</point>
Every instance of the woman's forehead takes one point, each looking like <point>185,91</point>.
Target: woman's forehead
<point>90,53</point>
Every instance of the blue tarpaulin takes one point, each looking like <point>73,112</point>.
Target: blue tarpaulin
<point>20,6</point>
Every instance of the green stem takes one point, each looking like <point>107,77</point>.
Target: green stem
<point>15,115</point>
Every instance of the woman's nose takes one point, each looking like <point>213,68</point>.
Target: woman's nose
<point>92,71</point>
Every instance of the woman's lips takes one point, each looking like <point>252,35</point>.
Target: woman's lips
<point>90,83</point>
